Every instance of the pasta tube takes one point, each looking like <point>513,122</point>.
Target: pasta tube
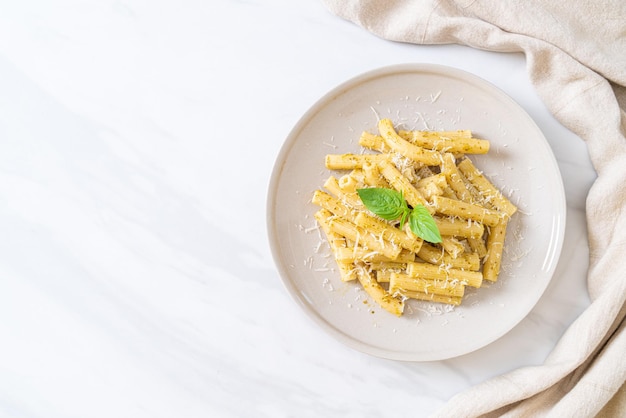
<point>430,297</point>
<point>495,245</point>
<point>378,293</point>
<point>491,194</point>
<point>432,272</point>
<point>455,179</point>
<point>447,141</point>
<point>374,142</point>
<point>351,161</point>
<point>333,205</point>
<point>401,282</point>
<point>460,228</point>
<point>478,246</point>
<point>464,210</point>
<point>405,148</point>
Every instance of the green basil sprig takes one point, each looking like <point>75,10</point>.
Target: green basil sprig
<point>390,205</point>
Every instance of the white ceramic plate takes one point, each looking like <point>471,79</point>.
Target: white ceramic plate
<point>520,163</point>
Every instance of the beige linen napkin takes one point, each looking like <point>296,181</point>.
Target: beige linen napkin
<point>576,59</point>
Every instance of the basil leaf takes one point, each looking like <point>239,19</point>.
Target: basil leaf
<point>405,216</point>
<point>423,224</point>
<point>386,203</point>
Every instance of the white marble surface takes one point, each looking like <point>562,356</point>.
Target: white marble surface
<point>135,274</point>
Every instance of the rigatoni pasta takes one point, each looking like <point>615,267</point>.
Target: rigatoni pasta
<point>429,169</point>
